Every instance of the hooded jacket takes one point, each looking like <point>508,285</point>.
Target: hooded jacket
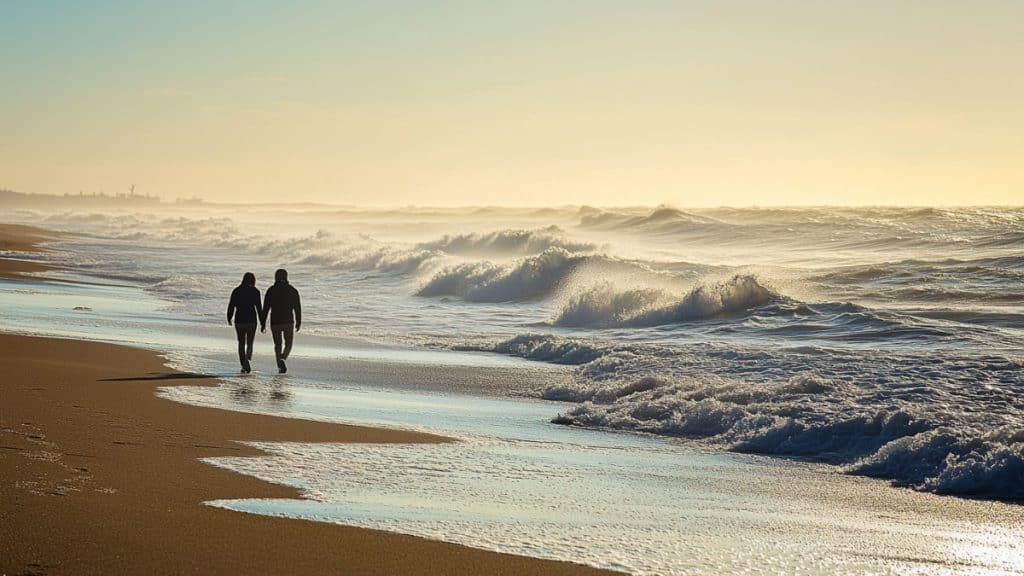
<point>282,303</point>
<point>245,305</point>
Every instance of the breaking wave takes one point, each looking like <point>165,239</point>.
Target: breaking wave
<point>946,461</point>
<point>950,425</point>
<point>542,348</point>
<point>507,242</point>
<point>817,418</point>
<point>524,279</point>
<point>607,306</point>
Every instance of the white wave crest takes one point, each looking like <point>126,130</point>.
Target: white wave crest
<point>542,348</point>
<point>813,417</point>
<point>947,461</point>
<point>606,306</point>
<point>507,242</point>
<point>524,279</point>
<point>937,424</point>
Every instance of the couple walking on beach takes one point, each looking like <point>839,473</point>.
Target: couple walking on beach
<point>283,306</point>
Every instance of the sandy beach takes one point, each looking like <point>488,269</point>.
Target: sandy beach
<point>18,238</point>
<point>99,475</point>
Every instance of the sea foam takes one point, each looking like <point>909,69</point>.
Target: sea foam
<point>941,424</point>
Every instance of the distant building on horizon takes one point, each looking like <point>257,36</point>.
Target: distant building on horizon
<point>32,200</point>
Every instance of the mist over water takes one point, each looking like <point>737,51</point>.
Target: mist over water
<point>887,342</point>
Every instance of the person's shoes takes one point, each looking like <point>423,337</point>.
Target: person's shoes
<point>246,367</point>
<point>281,368</point>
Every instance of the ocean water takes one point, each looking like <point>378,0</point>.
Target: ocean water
<point>668,388</point>
<point>887,342</point>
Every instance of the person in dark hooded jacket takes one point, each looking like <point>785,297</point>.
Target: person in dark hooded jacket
<point>244,307</point>
<point>282,304</point>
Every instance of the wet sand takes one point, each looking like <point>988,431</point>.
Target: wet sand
<point>19,238</point>
<point>99,475</point>
<point>22,238</point>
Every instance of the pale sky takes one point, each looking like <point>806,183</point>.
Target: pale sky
<point>708,103</point>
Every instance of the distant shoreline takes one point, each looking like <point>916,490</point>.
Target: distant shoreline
<point>25,239</point>
<point>33,201</point>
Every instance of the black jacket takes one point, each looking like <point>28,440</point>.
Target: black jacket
<point>283,305</point>
<point>245,305</point>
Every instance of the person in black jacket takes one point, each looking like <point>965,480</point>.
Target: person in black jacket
<point>245,307</point>
<point>282,303</point>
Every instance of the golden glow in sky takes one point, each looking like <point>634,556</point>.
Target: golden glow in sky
<point>392,103</point>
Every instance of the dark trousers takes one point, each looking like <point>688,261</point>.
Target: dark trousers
<point>283,332</point>
<point>246,334</point>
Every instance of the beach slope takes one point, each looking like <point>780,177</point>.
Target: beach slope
<point>99,475</point>
<point>26,239</point>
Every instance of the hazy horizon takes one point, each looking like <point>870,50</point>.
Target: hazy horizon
<point>172,202</point>
<point>742,103</point>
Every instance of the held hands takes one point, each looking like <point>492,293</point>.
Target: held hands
<point>263,327</point>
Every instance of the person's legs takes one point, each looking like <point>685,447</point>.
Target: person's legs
<point>241,332</point>
<point>275,331</point>
<point>288,335</point>
<point>250,336</point>
<point>282,335</point>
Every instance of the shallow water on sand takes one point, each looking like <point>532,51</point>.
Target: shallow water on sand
<point>515,483</point>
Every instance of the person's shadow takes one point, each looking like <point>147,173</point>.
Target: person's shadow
<point>156,376</point>
<point>243,390</point>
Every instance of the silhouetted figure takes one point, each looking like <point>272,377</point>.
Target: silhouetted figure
<point>282,304</point>
<point>246,310</point>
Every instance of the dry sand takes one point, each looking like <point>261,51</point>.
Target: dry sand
<point>100,476</point>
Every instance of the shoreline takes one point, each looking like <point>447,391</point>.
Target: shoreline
<point>26,239</point>
<point>101,475</point>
